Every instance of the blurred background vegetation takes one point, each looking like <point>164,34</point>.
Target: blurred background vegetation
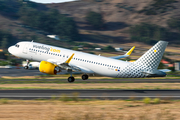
<point>84,23</point>
<point>46,20</point>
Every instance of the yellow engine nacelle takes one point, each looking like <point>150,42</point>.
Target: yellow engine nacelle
<point>47,67</point>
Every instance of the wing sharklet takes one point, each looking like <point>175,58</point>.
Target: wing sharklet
<point>125,55</point>
<point>68,61</point>
<point>130,51</point>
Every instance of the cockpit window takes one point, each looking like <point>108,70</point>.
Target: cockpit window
<point>17,45</point>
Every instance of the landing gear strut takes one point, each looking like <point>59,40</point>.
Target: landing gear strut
<point>71,78</point>
<point>26,67</point>
<point>85,77</point>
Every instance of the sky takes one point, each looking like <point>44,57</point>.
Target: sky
<point>51,1</point>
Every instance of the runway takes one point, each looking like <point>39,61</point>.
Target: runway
<point>132,80</point>
<point>90,94</point>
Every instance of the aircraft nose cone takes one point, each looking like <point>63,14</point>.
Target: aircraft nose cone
<point>10,49</point>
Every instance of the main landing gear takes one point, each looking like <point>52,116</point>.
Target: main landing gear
<point>72,79</point>
<point>85,77</point>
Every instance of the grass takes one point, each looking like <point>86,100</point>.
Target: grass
<point>170,75</point>
<point>140,86</point>
<point>78,80</point>
<point>147,100</point>
<point>88,110</point>
<point>3,101</point>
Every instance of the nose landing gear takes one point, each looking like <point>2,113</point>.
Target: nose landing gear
<point>26,67</point>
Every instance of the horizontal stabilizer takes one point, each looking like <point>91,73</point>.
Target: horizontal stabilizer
<point>165,70</point>
<point>154,73</point>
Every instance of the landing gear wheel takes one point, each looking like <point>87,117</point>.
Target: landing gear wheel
<point>71,79</point>
<point>26,67</point>
<point>84,77</point>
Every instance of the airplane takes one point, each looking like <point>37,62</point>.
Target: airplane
<point>55,59</point>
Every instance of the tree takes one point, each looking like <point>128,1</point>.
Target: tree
<point>2,55</point>
<point>95,19</point>
<point>148,33</point>
<point>51,21</point>
<point>5,39</point>
<point>108,49</point>
<point>174,23</point>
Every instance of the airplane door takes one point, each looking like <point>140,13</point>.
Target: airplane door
<point>31,57</point>
<point>25,49</point>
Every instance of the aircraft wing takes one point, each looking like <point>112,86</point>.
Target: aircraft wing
<point>125,55</point>
<point>63,64</point>
<point>69,67</point>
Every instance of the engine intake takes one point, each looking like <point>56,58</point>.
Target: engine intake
<point>49,68</point>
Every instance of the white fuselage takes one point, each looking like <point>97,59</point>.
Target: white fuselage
<point>88,63</point>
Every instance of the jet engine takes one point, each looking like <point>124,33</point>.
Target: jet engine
<point>49,68</point>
